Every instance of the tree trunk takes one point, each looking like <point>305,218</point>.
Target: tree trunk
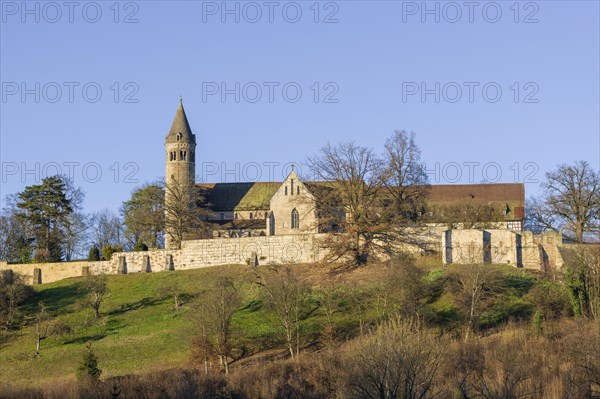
<point>471,314</point>
<point>579,231</point>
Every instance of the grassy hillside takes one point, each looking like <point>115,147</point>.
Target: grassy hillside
<point>140,331</point>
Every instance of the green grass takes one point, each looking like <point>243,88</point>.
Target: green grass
<point>139,330</point>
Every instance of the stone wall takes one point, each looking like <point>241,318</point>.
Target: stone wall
<point>457,246</point>
<point>521,249</point>
<point>50,272</point>
<point>193,254</point>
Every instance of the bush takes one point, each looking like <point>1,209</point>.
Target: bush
<point>94,254</point>
<point>108,250</point>
<point>140,246</point>
<point>88,371</point>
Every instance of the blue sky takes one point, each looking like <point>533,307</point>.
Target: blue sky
<point>361,68</point>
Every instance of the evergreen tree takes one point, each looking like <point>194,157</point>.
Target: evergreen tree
<point>94,254</point>
<point>88,371</point>
<point>46,208</point>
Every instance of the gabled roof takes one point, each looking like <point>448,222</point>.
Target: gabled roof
<point>180,125</point>
<point>239,196</point>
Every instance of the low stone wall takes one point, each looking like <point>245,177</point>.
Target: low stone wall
<point>50,272</point>
<point>458,246</point>
<point>264,250</point>
<point>193,254</point>
<point>419,240</point>
<point>521,249</point>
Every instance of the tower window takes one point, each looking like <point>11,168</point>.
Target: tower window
<point>181,155</point>
<point>295,219</point>
<point>179,136</point>
<point>285,190</point>
<point>298,190</point>
<point>292,186</point>
<point>185,155</point>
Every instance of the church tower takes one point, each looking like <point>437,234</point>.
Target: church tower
<point>180,148</point>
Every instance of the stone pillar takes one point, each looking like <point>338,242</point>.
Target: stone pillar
<point>146,264</point>
<point>254,259</point>
<point>37,276</point>
<point>122,265</point>
<point>169,265</point>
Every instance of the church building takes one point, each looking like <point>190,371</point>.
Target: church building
<point>289,207</point>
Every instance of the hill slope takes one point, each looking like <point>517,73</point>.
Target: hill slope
<point>140,331</point>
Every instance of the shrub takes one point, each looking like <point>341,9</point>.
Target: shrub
<point>140,246</point>
<point>88,371</point>
<point>108,250</point>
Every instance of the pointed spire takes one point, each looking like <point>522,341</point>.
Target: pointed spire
<point>180,125</point>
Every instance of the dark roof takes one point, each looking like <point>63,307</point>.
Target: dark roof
<point>239,196</point>
<point>180,125</point>
<point>500,192</point>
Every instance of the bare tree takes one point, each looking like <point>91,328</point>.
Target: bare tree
<point>217,307</point>
<point>287,295</point>
<point>41,318</point>
<point>106,228</point>
<point>510,369</point>
<point>406,182</point>
<point>329,297</point>
<point>76,235</point>
<point>398,360</point>
<point>571,201</point>
<point>96,290</point>
<point>355,174</point>
<point>46,326</point>
<point>171,287</point>
<point>475,284</point>
<point>183,212</point>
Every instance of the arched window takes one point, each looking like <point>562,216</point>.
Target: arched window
<point>298,190</point>
<point>295,219</point>
<point>292,186</point>
<point>251,215</point>
<point>285,190</point>
<point>185,155</point>
<point>179,136</point>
